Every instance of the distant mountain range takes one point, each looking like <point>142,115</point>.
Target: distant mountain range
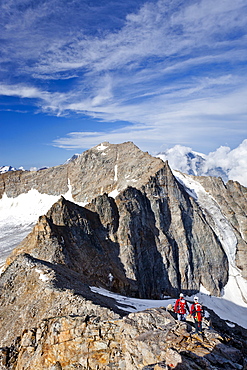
<point>117,222</point>
<point>193,163</point>
<point>4,169</point>
<point>224,162</point>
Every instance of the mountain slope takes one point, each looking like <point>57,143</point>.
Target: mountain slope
<point>158,235</point>
<point>164,237</point>
<point>104,168</point>
<point>141,230</point>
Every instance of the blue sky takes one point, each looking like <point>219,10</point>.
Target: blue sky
<point>76,73</point>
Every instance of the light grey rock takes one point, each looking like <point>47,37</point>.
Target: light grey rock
<point>150,339</point>
<point>151,238</point>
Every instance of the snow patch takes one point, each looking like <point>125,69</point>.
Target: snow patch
<point>223,308</point>
<point>42,276</point>
<point>134,304</point>
<point>113,193</point>
<point>204,290</point>
<point>19,215</point>
<point>115,172</point>
<point>74,157</point>
<point>230,324</point>
<point>101,147</point>
<point>68,195</point>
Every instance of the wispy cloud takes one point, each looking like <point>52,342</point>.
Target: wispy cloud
<point>159,65</point>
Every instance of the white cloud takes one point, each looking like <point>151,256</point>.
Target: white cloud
<point>189,122</point>
<point>171,64</point>
<point>234,162</point>
<point>47,100</point>
<point>158,29</point>
<point>21,91</point>
<point>223,162</point>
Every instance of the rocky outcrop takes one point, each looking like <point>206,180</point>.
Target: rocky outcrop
<point>130,245</point>
<point>232,199</point>
<point>161,236</point>
<point>191,247</point>
<point>51,319</point>
<point>33,290</point>
<point>53,181</point>
<point>142,233</point>
<point>148,340</point>
<point>102,169</point>
<point>73,236</point>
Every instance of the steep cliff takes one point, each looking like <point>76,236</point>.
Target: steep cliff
<point>143,232</point>
<point>130,245</point>
<point>232,199</point>
<point>158,237</point>
<point>102,169</point>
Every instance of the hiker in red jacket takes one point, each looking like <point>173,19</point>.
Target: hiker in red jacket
<point>181,306</point>
<point>196,310</point>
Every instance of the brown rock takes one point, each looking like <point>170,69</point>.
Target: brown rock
<point>74,342</point>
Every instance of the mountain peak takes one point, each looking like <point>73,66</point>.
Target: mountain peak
<point>224,162</point>
<point>144,231</point>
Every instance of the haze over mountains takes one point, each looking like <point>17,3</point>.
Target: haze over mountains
<point>118,219</point>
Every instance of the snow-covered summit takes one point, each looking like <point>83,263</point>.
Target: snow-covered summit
<point>224,162</point>
<point>4,169</point>
<point>76,155</point>
<point>184,159</point>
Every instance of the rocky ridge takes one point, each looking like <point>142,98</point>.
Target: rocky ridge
<point>51,320</point>
<point>109,167</point>
<point>144,249</point>
<point>113,168</point>
<point>157,237</point>
<point>152,237</point>
<point>147,340</point>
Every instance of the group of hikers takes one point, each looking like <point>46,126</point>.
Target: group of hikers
<point>196,311</point>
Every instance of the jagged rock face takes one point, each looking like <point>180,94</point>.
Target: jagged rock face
<point>135,245</point>
<point>52,181</point>
<point>33,290</point>
<point>153,238</point>
<point>193,253</point>
<point>232,198</point>
<point>102,169</point>
<point>159,234</point>
<point>165,243</point>
<point>75,237</point>
<point>151,339</point>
